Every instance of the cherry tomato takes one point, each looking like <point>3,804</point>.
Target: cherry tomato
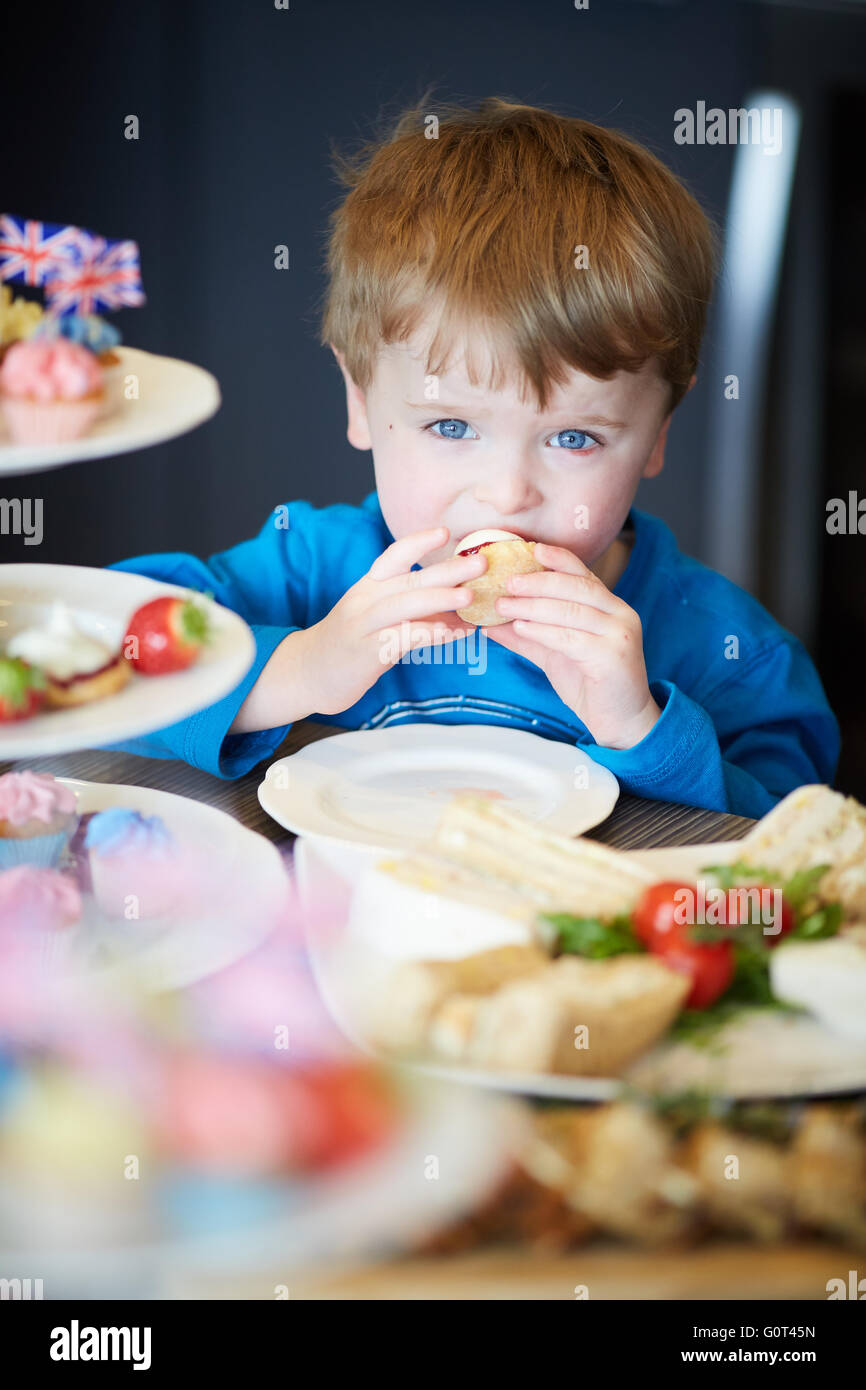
<point>656,912</point>
<point>709,965</point>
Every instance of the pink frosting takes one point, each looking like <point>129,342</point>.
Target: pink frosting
<point>28,796</point>
<point>31,897</point>
<point>49,369</point>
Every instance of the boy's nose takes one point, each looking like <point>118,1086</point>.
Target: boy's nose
<point>509,494</point>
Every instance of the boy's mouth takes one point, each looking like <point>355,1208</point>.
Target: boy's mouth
<point>501,526</point>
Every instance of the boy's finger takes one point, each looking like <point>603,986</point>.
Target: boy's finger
<point>436,631</point>
<point>556,557</point>
<point>409,605</point>
<point>555,584</point>
<point>401,555</point>
<point>458,570</point>
<point>558,611</point>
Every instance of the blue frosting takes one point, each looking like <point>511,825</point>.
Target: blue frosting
<point>111,832</point>
<point>198,1203</point>
<point>88,329</point>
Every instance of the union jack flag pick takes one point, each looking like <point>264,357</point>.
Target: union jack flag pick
<point>32,251</point>
<point>100,274</point>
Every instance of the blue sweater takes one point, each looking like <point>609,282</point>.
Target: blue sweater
<point>744,715</point>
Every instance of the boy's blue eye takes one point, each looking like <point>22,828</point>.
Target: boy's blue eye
<point>454,429</point>
<point>576,440</point>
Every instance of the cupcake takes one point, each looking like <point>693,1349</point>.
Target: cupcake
<point>37,819</point>
<point>37,907</point>
<point>136,867</point>
<point>78,668</point>
<point>51,390</point>
<point>101,338</point>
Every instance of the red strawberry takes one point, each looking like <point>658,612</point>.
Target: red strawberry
<point>22,689</point>
<point>164,635</point>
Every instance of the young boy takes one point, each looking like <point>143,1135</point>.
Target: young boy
<point>516,303</point>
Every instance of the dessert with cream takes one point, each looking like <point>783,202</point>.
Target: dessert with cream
<point>78,667</point>
<point>99,337</point>
<point>136,867</point>
<point>506,554</point>
<point>37,818</point>
<point>42,899</point>
<point>51,390</point>
<point>37,908</point>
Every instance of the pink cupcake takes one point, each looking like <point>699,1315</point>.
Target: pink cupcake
<point>37,906</point>
<point>37,819</point>
<point>51,390</point>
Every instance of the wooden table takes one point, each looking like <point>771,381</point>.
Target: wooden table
<point>633,824</point>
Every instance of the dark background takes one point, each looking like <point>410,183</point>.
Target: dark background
<point>238,105</point>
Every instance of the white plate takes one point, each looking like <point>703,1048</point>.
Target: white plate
<point>173,397</point>
<point>386,787</point>
<point>103,601</point>
<point>248,884</point>
<point>767,1053</point>
<point>378,1207</point>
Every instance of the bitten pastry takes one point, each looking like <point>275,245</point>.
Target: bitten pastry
<point>506,554</point>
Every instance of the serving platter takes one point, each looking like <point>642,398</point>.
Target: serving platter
<point>101,602</point>
<point>378,1206</point>
<point>760,1053</point>
<point>170,397</point>
<point>241,899</point>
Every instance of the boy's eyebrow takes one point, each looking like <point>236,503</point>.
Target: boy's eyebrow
<point>459,410</point>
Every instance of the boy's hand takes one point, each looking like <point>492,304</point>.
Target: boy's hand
<point>391,610</point>
<point>587,642</point>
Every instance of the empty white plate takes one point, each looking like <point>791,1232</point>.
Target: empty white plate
<point>387,787</point>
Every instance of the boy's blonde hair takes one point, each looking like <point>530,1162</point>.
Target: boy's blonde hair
<point>481,225</point>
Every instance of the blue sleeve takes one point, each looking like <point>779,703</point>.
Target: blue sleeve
<point>264,580</point>
<point>754,738</point>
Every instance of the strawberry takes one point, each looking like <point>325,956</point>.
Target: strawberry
<point>22,689</point>
<point>164,635</point>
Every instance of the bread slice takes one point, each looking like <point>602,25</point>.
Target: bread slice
<point>577,1017</point>
<point>414,990</point>
<point>559,873</point>
<point>616,1164</point>
<point>815,825</point>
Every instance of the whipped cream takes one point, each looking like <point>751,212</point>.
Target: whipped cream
<point>476,538</point>
<point>60,648</point>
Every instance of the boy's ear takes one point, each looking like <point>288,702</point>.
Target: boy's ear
<point>357,429</point>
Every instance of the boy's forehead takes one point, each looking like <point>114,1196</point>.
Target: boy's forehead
<point>401,373</point>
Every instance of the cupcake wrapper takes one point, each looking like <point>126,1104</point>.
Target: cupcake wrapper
<point>43,851</point>
<point>49,422</point>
